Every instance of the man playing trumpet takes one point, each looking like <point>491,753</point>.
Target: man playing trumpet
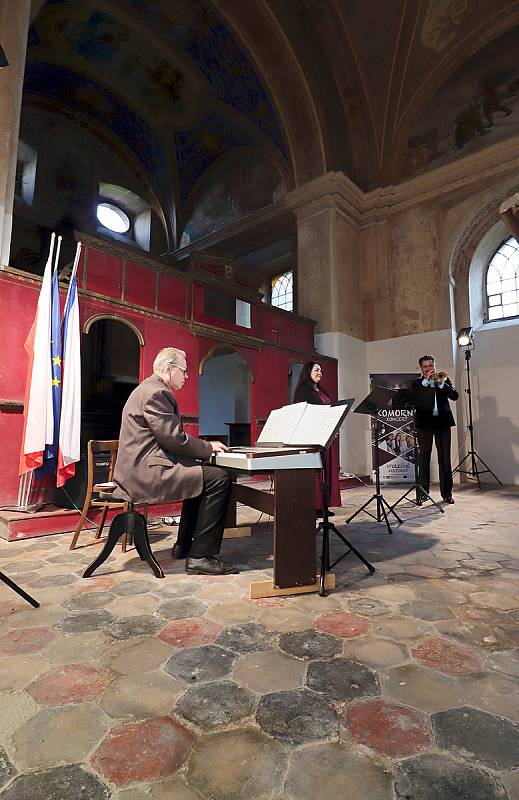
<point>430,395</point>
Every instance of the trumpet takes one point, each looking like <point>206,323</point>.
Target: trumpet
<point>441,376</point>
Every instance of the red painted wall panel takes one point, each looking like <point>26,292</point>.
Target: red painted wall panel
<point>172,296</point>
<point>139,285</point>
<point>104,273</point>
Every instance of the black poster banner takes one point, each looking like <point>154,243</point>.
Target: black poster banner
<point>396,444</point>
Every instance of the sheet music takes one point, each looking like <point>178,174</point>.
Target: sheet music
<point>282,423</point>
<point>316,424</point>
<point>302,424</point>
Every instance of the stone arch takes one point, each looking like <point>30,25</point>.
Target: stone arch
<point>470,255</point>
<point>116,318</point>
<point>223,350</point>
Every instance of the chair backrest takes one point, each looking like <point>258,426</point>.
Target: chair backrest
<point>108,446</point>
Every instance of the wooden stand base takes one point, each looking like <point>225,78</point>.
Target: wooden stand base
<point>239,532</point>
<point>267,588</point>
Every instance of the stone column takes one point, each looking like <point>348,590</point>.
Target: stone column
<point>329,275</point>
<point>14,24</point>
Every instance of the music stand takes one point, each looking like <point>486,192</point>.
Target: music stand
<point>14,586</point>
<point>377,400</point>
<point>325,526</point>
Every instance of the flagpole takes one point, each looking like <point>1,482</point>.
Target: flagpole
<point>58,248</point>
<point>73,273</point>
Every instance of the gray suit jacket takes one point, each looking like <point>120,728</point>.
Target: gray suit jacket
<point>157,461</point>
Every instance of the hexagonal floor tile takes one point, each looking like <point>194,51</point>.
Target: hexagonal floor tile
<point>128,627</point>
<point>342,624</point>
<point>216,703</point>
<point>249,637</point>
<point>342,679</point>
<point>26,640</point>
<point>439,777</point>
<point>190,632</point>
<point>421,688</point>
<point>310,644</point>
<point>207,663</point>
<point>336,770</point>
<point>72,683</point>
<point>447,657</point>
<point>145,751</point>
<point>377,652</point>
<point>297,717</point>
<point>59,782</point>
<point>254,766</point>
<point>269,671</point>
<point>477,736</point>
<point>389,728</point>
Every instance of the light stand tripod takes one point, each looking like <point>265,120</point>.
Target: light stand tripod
<point>14,586</point>
<point>420,494</point>
<point>326,527</point>
<point>379,398</point>
<point>473,471</point>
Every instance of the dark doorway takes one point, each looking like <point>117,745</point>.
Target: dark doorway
<point>110,357</point>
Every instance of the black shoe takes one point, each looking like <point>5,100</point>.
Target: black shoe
<point>209,566</point>
<point>319,512</point>
<point>448,500</point>
<point>180,550</point>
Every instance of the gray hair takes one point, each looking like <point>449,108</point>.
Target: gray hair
<point>166,356</point>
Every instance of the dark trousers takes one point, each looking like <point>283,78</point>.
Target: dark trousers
<point>202,520</point>
<point>442,440</point>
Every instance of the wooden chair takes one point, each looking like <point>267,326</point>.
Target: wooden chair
<point>104,500</point>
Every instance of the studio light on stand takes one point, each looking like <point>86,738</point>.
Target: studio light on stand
<point>465,339</point>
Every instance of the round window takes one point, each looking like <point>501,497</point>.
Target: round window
<point>113,218</point>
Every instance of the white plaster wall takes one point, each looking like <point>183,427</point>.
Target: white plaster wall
<point>495,399</point>
<point>495,391</point>
<point>353,381</point>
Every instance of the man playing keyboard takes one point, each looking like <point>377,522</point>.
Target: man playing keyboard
<point>158,462</point>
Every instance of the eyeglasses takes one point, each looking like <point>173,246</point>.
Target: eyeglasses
<point>184,369</point>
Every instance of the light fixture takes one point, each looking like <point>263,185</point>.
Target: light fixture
<point>3,60</point>
<point>465,338</point>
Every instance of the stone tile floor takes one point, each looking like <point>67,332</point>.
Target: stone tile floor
<point>404,684</point>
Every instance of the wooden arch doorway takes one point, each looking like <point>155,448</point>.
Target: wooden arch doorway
<point>224,404</point>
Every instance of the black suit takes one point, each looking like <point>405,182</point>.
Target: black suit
<point>430,426</point>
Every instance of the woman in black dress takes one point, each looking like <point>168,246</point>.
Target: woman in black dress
<point>309,390</point>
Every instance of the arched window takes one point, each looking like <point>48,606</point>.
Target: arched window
<point>502,282</point>
<point>282,291</point>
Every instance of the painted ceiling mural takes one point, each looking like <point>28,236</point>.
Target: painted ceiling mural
<point>392,88</point>
<point>185,99</point>
<point>478,106</point>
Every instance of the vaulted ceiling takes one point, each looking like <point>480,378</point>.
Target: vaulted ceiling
<point>380,90</point>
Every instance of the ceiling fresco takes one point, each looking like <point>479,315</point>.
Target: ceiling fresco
<point>478,106</point>
<point>382,91</point>
<point>168,79</point>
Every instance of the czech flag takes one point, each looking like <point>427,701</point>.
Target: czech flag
<point>70,424</point>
